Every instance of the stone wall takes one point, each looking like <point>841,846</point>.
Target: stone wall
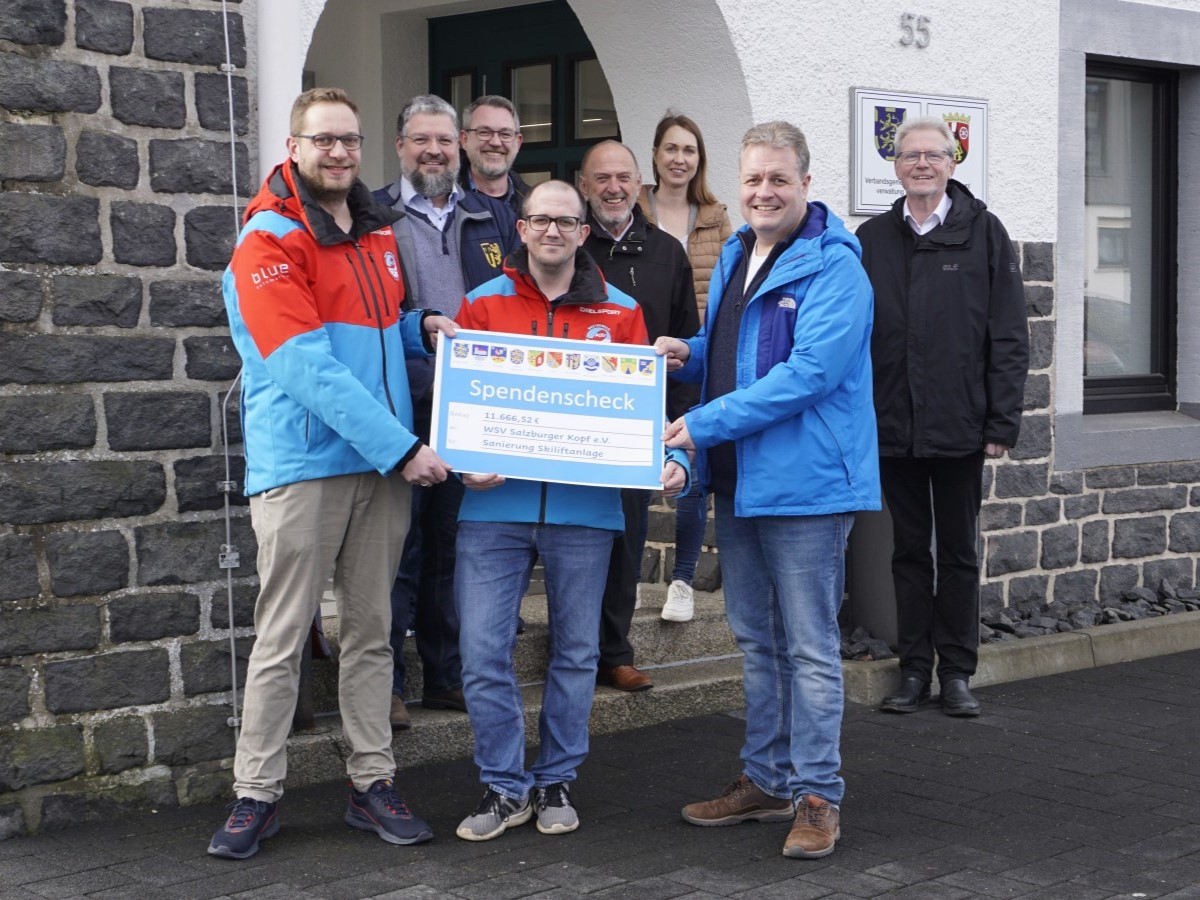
<point>116,218</point>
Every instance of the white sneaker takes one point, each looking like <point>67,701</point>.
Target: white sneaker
<point>680,605</point>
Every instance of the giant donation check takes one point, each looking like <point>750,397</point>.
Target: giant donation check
<point>576,412</point>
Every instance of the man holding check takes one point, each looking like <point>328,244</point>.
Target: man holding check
<point>549,286</point>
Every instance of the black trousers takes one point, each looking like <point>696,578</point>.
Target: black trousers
<point>937,608</point>
<point>624,572</point>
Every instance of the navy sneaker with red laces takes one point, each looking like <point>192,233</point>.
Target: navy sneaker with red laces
<point>249,822</point>
<point>380,809</point>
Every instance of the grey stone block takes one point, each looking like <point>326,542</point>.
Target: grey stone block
<point>1118,502</point>
<point>1154,473</point>
<point>40,756</point>
<point>244,598</point>
<point>1039,300</point>
<point>661,526</point>
<point>68,231</point>
<point>47,85</point>
<point>1060,547</point>
<point>20,297</point>
<point>1045,511</point>
<point>205,665</point>
<point>187,552</point>
<point>32,152</point>
<point>1187,472</point>
<point>148,97</point>
<point>1011,552</point>
<point>19,565</point>
<point>998,516</point>
<point>1066,482</point>
<point>14,694</point>
<point>107,160</point>
<point>28,631</point>
<point>70,359</point>
<point>1037,392</point>
<point>1029,591</point>
<point>12,821</point>
<point>209,233</point>
<point>1022,480</point>
<point>212,102</point>
<point>87,562</point>
<point>192,36</point>
<point>104,803</point>
<point>1116,580</point>
<point>1078,507</point>
<point>1039,261</point>
<point>96,300</point>
<point>1094,545</point>
<point>708,572</point>
<point>182,303</point>
<point>1180,572</point>
<point>108,681</point>
<point>121,744</point>
<point>211,358</point>
<point>196,482</point>
<point>1145,536</point>
<point>34,492</point>
<point>158,420</point>
<point>193,166</point>
<point>1112,477</point>
<point>1041,343</point>
<point>38,422</point>
<point>190,736</point>
<point>143,234</point>
<point>1076,586</point>
<point>104,26</point>
<point>1035,440</point>
<point>148,616</point>
<point>991,598</point>
<point>1185,533</point>
<point>33,21</point>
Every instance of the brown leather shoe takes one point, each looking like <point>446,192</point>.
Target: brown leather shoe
<point>815,831</point>
<point>399,716</point>
<point>742,801</point>
<point>451,699</point>
<point>624,678</point>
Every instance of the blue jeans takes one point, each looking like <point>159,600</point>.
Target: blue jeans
<point>495,560</point>
<point>691,518</point>
<point>423,593</point>
<point>783,578</point>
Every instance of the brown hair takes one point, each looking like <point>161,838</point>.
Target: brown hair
<point>311,98</point>
<point>698,191</point>
<point>780,136</point>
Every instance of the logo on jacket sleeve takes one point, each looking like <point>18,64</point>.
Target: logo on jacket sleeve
<point>787,302</point>
<point>491,253</point>
<point>389,260</point>
<point>266,274</point>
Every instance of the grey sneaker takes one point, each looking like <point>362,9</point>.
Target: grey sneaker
<point>494,814</point>
<point>555,814</point>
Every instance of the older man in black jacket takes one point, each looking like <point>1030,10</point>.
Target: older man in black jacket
<point>950,351</point>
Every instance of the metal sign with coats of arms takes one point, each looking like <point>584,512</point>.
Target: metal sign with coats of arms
<point>887,120</point>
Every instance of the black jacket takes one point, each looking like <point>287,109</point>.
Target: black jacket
<point>652,267</point>
<point>950,347</point>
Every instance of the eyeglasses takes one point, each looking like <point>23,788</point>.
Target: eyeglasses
<point>326,141</point>
<point>933,157</point>
<point>506,135</point>
<point>566,224</point>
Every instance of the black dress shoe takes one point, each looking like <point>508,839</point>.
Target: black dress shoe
<point>956,699</point>
<point>913,692</point>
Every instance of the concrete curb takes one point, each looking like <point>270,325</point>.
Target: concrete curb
<point>869,682</point>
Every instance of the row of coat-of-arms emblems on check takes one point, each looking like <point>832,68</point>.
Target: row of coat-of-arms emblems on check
<point>889,118</point>
<point>554,359</point>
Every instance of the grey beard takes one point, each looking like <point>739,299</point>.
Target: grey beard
<point>430,186</point>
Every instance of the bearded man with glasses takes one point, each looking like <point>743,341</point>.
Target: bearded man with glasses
<point>950,351</point>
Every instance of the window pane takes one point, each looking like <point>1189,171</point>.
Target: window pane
<point>460,92</point>
<point>595,112</point>
<point>531,95</point>
<point>1119,206</point>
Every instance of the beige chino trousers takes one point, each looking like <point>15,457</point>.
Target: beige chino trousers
<point>354,526</point>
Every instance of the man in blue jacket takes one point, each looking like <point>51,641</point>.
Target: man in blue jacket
<point>786,434</point>
<point>451,241</point>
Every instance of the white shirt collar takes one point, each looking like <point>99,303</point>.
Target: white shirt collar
<point>936,218</point>
<point>410,197</point>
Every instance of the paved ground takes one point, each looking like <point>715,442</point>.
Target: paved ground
<point>1084,785</point>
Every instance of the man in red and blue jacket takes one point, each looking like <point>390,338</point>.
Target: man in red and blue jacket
<point>313,294</point>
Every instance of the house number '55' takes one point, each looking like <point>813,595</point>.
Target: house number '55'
<point>916,30</point>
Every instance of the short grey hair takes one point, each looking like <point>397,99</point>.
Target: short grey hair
<point>927,123</point>
<point>490,100</point>
<point>781,136</point>
<point>430,104</point>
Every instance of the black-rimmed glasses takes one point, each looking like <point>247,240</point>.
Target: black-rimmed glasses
<point>506,135</point>
<point>566,224</point>
<point>326,141</point>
